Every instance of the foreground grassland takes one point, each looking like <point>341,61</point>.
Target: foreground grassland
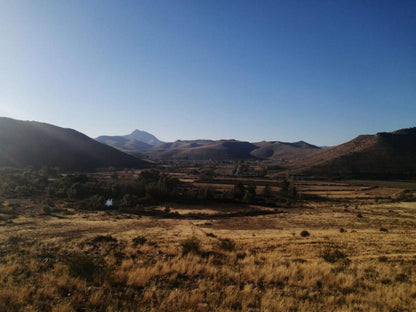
<point>360,255</point>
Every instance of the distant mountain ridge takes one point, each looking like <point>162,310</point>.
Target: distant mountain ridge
<point>230,150</point>
<point>144,143</point>
<point>36,144</point>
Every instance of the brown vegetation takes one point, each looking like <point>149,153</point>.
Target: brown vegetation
<point>88,260</point>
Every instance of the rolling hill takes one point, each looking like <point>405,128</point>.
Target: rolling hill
<point>383,155</point>
<point>231,150</point>
<point>283,150</point>
<point>203,150</point>
<point>35,144</point>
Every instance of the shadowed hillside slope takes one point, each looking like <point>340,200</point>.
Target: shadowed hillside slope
<point>30,143</point>
<point>384,155</point>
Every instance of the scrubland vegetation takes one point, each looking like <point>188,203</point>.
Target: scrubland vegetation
<point>334,246</point>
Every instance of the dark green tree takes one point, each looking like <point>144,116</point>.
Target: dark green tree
<point>239,191</point>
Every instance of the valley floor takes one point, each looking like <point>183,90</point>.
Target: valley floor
<point>360,255</point>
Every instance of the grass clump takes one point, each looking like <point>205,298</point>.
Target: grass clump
<point>14,239</point>
<point>104,238</point>
<point>401,278</point>
<point>227,244</point>
<point>86,267</point>
<point>190,245</point>
<point>46,210</point>
<point>382,259</point>
<point>332,255</point>
<point>139,240</point>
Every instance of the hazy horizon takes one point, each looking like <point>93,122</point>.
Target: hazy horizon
<point>322,72</point>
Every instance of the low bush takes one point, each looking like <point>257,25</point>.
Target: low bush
<point>304,233</point>
<point>14,239</point>
<point>104,238</point>
<point>332,255</point>
<point>190,245</point>
<point>46,210</point>
<point>402,278</point>
<point>139,240</point>
<point>87,267</point>
<point>227,244</point>
<point>382,259</point>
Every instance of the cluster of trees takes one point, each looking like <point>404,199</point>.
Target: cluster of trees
<point>248,193</point>
<point>245,193</point>
<point>22,183</point>
<point>150,187</point>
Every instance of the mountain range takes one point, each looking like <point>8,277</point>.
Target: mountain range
<point>382,155</point>
<point>35,144</point>
<point>143,143</point>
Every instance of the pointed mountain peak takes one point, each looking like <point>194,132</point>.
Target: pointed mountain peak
<point>143,136</point>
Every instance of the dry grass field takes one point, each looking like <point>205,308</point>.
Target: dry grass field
<point>357,252</point>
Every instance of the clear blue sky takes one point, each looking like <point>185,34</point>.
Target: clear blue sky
<point>320,71</point>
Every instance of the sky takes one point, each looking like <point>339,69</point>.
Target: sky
<point>319,71</point>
